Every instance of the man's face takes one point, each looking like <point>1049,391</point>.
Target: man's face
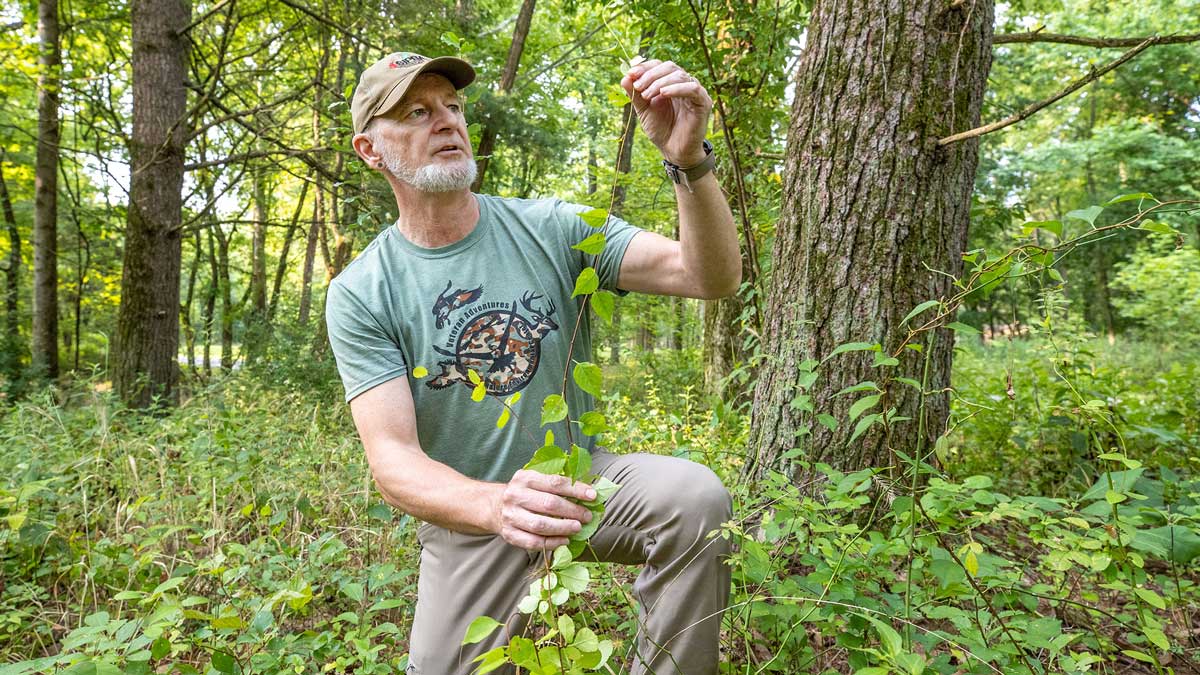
<point>423,140</point>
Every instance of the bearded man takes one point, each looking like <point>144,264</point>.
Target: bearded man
<point>467,284</point>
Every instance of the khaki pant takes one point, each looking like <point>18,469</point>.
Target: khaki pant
<point>659,519</point>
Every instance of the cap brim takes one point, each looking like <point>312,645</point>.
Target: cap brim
<point>459,72</point>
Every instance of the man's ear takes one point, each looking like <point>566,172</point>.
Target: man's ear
<point>366,151</point>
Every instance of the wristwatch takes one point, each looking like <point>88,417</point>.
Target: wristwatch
<point>684,177</point>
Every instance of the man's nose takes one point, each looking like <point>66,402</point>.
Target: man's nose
<point>444,118</point>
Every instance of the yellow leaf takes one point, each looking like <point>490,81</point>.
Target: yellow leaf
<point>479,392</point>
<point>971,563</point>
<point>473,377</point>
<point>419,372</point>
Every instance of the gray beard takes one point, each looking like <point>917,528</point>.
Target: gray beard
<point>433,177</point>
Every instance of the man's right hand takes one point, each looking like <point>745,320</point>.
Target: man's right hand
<point>534,510</point>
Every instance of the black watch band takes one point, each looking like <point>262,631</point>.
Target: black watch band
<point>684,177</point>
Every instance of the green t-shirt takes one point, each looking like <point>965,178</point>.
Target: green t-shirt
<point>497,302</point>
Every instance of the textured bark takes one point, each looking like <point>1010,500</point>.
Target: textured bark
<point>147,336</point>
<point>869,200</point>
<point>12,281</point>
<point>487,137</point>
<point>45,209</point>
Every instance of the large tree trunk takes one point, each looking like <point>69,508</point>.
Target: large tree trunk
<point>487,137</point>
<point>870,205</point>
<point>147,339</point>
<point>10,362</point>
<point>45,210</point>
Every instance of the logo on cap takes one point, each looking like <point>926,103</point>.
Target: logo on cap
<point>410,60</point>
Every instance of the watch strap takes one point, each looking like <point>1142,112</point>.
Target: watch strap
<point>685,176</point>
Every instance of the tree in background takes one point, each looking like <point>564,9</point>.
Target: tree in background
<point>45,228</point>
<point>147,336</point>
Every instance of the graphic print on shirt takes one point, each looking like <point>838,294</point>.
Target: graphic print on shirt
<point>500,341</point>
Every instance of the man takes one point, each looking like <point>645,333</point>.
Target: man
<point>465,282</point>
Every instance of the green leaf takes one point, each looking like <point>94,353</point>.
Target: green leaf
<point>1048,225</point>
<point>862,405</point>
<point>1087,215</point>
<point>554,409</point>
<point>1151,598</point>
<point>592,245</point>
<point>1130,197</point>
<point>958,327</point>
<point>589,378</point>
<point>1140,656</point>
<point>864,424</point>
<point>480,628</point>
<point>380,511</point>
<point>593,423</point>
<point>603,303</point>
<point>587,282</point>
<point>828,421</point>
<point>595,217</point>
<point>491,660</point>
<point>223,662</point>
<point>566,626</point>
<point>1155,226</point>
<point>604,488</point>
<point>918,309</point>
<point>893,645</point>
<point>579,463</point>
<point>352,590</point>
<point>549,459</point>
<point>574,577</point>
<point>852,347</point>
<point>882,360</point>
<point>865,385</point>
<point>1158,638</point>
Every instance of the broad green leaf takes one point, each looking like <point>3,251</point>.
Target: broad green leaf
<point>574,577</point>
<point>223,662</point>
<point>592,245</point>
<point>479,629</point>
<point>1140,656</point>
<point>851,347</point>
<point>554,409</point>
<point>589,378</point>
<point>828,421</point>
<point>587,282</point>
<point>1158,638</point>
<point>352,590</point>
<point>603,303</point>
<point>1155,226</point>
<point>863,425</point>
<point>1087,215</point>
<point>549,459</point>
<point>562,556</point>
<point>594,217</point>
<point>918,309</point>
<point>893,645</point>
<point>1052,226</point>
<point>380,511</point>
<point>491,660</point>
<point>1130,197</point>
<point>566,626</point>
<point>1152,598</point>
<point>883,360</point>
<point>959,327</point>
<point>593,423</point>
<point>579,463</point>
<point>604,488</point>
<point>862,405</point>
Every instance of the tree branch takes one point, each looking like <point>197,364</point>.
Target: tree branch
<point>1100,42</point>
<point>200,19</point>
<point>332,24</point>
<point>250,155</point>
<point>1035,107</point>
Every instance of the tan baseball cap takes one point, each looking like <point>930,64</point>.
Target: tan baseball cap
<point>382,85</point>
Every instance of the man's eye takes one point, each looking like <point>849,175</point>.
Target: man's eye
<point>455,107</point>
<point>416,112</point>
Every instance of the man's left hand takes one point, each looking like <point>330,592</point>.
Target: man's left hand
<point>672,107</point>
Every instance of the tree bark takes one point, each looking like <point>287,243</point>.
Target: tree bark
<point>869,200</point>
<point>12,278</point>
<point>487,137</point>
<point>45,210</point>
<point>147,339</point>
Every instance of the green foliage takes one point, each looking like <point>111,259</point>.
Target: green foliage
<point>1161,292</point>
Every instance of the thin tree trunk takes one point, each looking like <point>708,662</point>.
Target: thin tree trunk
<point>310,254</point>
<point>147,336</point>
<point>281,267</point>
<point>210,302</point>
<point>870,205</point>
<point>45,210</point>
<point>10,364</point>
<point>255,328</point>
<point>508,77</point>
<point>225,293</point>
<point>185,310</point>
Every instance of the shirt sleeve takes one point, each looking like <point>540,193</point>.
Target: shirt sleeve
<point>617,235</point>
<point>366,355</point>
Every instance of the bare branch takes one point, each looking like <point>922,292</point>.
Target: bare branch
<point>200,19</point>
<point>1099,42</point>
<point>1035,107</point>
<point>250,155</point>
<point>11,26</point>
<point>332,24</point>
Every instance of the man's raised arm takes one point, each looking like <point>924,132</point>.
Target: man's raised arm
<point>531,511</point>
<point>673,110</point>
